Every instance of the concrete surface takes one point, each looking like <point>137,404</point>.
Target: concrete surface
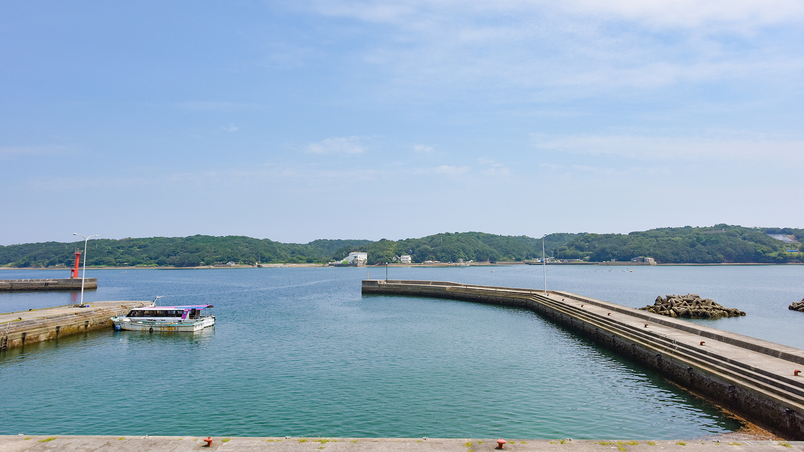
<point>188,443</point>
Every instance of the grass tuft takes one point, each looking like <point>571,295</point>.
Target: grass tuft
<point>47,439</point>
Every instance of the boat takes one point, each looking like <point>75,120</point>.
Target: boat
<point>152,318</point>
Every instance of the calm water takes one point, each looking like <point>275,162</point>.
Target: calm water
<point>300,352</point>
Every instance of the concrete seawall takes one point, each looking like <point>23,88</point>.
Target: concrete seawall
<point>32,443</point>
<point>27,327</point>
<point>24,285</point>
<point>754,378</point>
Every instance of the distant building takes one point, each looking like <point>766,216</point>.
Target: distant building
<point>405,259</point>
<point>647,260</point>
<point>356,257</point>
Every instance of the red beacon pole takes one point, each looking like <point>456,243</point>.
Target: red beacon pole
<point>74,270</point>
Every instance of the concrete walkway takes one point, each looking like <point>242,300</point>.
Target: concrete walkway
<point>188,443</point>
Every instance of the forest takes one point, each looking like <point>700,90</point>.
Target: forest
<point>695,245</point>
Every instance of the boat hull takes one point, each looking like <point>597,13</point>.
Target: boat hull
<point>129,324</point>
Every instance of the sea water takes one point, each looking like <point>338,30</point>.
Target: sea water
<point>300,352</point>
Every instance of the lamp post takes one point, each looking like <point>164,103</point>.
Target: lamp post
<point>84,272</point>
<point>544,266</point>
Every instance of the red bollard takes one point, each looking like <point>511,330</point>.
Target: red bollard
<point>208,439</point>
<point>702,342</point>
<point>501,444</point>
<point>796,372</point>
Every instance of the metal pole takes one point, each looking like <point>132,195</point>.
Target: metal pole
<point>84,272</point>
<point>544,266</point>
<point>386,272</point>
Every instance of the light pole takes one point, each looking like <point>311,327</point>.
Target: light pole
<point>544,266</point>
<point>84,272</point>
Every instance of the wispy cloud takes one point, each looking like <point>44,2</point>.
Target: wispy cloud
<point>422,148</point>
<point>450,170</point>
<point>10,151</point>
<point>494,169</point>
<point>576,48</point>
<point>675,148</point>
<point>342,145</point>
<point>205,106</point>
<point>676,13</point>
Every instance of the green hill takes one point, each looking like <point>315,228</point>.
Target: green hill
<point>718,244</point>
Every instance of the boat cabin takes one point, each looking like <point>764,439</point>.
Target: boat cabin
<point>181,312</point>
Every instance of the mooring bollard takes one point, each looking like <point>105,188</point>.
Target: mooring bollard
<point>208,440</point>
<point>501,444</point>
<point>796,372</point>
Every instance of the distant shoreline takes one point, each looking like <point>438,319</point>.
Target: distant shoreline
<point>435,265</point>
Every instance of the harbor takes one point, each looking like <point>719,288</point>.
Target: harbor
<point>759,380</point>
<point>301,352</point>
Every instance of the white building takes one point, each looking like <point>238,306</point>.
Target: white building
<point>405,259</point>
<point>356,257</point>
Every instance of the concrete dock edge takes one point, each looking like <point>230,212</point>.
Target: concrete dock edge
<point>25,443</point>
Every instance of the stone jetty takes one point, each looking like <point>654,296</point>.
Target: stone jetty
<point>759,380</point>
<point>691,306</point>
<point>30,285</point>
<point>37,325</point>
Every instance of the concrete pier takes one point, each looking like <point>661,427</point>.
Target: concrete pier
<point>27,443</point>
<point>26,285</point>
<point>756,379</point>
<point>27,327</point>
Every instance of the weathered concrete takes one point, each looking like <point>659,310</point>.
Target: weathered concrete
<point>754,378</point>
<point>26,285</point>
<point>188,443</point>
<point>27,327</point>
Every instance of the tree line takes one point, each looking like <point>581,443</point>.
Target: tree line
<point>717,244</point>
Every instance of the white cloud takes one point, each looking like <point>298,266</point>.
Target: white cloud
<point>422,148</point>
<point>343,145</point>
<point>231,128</point>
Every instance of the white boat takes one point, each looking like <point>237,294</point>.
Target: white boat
<point>166,318</point>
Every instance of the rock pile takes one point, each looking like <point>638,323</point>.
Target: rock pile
<point>691,306</point>
<point>797,306</point>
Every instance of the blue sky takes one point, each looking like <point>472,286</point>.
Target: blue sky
<point>299,120</point>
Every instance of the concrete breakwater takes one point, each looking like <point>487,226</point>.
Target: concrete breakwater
<point>756,379</point>
<point>27,327</point>
<point>26,443</point>
<point>22,285</point>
